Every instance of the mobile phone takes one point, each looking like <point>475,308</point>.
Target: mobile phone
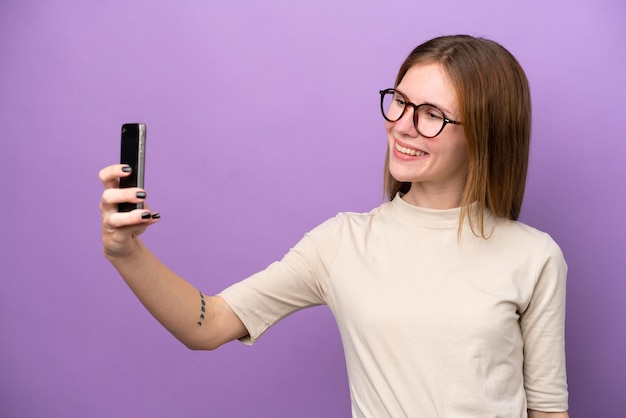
<point>133,153</point>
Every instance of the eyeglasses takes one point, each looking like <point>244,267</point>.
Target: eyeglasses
<point>428,119</point>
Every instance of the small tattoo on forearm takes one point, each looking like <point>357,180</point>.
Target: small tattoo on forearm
<point>202,309</point>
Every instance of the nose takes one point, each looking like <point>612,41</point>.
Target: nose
<point>406,124</point>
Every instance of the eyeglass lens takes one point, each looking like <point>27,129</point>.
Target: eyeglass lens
<point>428,120</point>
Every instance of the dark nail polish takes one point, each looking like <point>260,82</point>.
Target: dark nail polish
<point>156,215</point>
<point>141,195</point>
<point>127,169</point>
<point>145,215</point>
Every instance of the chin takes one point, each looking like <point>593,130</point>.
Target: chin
<point>402,175</point>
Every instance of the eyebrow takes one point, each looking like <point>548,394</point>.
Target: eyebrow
<point>444,110</point>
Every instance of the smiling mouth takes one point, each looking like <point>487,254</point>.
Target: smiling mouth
<point>409,151</point>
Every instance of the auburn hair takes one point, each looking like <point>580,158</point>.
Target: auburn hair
<point>495,109</point>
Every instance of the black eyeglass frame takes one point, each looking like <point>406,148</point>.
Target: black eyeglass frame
<point>408,103</point>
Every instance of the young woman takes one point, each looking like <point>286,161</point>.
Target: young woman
<point>446,305</point>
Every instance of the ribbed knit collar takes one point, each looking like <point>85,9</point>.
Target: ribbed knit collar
<point>441,218</point>
<point>425,216</point>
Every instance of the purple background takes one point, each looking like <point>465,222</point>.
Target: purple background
<point>263,121</point>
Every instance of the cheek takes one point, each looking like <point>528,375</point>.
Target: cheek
<point>454,149</point>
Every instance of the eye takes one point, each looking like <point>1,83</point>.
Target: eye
<point>399,100</point>
<point>432,113</point>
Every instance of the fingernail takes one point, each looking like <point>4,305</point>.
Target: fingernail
<point>127,169</point>
<point>141,195</point>
<point>145,215</point>
<point>156,215</point>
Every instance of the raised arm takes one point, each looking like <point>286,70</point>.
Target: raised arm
<point>198,321</point>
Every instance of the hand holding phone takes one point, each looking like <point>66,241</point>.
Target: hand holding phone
<point>133,154</point>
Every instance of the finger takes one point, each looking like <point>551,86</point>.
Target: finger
<point>120,228</point>
<point>109,176</point>
<point>137,217</point>
<point>112,197</point>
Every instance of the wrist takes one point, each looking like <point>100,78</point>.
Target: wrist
<point>118,253</point>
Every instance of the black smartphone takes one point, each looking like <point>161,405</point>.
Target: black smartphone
<point>133,153</point>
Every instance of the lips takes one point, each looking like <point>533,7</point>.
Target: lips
<point>409,151</point>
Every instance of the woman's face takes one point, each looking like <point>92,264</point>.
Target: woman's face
<point>433,165</point>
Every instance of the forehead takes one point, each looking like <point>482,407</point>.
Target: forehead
<point>429,83</point>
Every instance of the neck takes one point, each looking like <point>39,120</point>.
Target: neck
<point>432,198</point>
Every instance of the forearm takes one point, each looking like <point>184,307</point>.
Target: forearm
<point>174,302</point>
<point>539,414</point>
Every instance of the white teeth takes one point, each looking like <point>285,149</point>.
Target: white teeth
<point>409,151</point>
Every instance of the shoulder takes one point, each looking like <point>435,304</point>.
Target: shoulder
<point>346,228</point>
<point>353,220</point>
<point>528,238</point>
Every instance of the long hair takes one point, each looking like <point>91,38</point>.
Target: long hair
<point>494,104</point>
